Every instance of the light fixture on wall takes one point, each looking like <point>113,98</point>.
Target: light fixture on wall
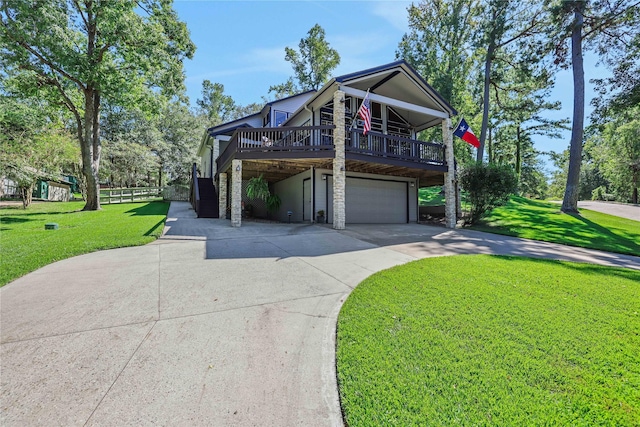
<point>342,100</point>
<point>413,184</point>
<point>323,176</point>
<point>341,168</point>
<point>238,168</point>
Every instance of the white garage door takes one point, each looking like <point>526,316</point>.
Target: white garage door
<point>371,201</point>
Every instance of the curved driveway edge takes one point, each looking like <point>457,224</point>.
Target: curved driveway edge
<point>209,325</point>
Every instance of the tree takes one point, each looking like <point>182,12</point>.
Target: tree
<point>603,24</point>
<point>217,107</point>
<point>440,46</point>
<point>180,142</point>
<point>131,141</point>
<point>80,53</point>
<point>312,63</point>
<point>619,154</point>
<point>33,146</point>
<point>504,23</point>
<point>622,90</point>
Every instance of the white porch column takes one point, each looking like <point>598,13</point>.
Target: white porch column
<point>449,176</point>
<point>339,174</point>
<point>236,193</point>
<point>222,195</point>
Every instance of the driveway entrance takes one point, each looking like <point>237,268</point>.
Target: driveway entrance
<point>209,325</point>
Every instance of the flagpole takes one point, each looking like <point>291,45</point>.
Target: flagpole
<point>358,112</point>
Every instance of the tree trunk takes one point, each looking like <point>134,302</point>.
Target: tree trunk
<point>518,152</point>
<point>91,149</point>
<point>634,193</point>
<point>485,104</point>
<point>572,190</point>
<point>27,196</point>
<point>489,147</point>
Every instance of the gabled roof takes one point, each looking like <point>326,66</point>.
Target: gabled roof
<point>418,102</point>
<point>232,125</point>
<point>309,92</point>
<point>384,75</point>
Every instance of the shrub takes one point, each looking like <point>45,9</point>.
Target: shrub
<point>488,186</point>
<point>258,188</point>
<point>273,203</point>
<point>600,193</point>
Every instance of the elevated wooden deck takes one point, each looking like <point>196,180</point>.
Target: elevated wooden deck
<point>285,151</point>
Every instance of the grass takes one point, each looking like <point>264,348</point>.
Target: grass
<point>26,246</point>
<point>484,340</point>
<point>430,196</point>
<point>544,221</point>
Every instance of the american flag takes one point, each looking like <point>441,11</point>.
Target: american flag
<point>365,114</point>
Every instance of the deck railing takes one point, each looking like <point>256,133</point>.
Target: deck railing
<point>305,138</point>
<point>397,147</point>
<point>320,138</point>
<point>285,139</point>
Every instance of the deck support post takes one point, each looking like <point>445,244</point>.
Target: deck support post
<point>339,172</point>
<point>236,193</point>
<point>222,195</point>
<point>449,176</point>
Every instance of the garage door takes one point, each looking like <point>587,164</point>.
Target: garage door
<point>371,201</point>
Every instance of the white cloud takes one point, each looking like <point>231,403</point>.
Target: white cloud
<point>394,12</point>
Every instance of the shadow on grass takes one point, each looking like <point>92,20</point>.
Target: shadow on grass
<point>151,208</point>
<point>629,274</point>
<point>624,242</point>
<point>13,219</point>
<point>539,221</point>
<point>152,230</point>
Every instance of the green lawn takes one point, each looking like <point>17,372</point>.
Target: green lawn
<point>485,340</point>
<point>537,220</point>
<point>26,246</point>
<point>431,196</point>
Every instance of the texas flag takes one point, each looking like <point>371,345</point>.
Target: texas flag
<point>464,132</point>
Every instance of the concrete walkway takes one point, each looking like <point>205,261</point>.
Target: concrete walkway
<point>209,325</point>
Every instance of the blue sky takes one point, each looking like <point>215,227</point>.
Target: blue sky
<point>241,45</point>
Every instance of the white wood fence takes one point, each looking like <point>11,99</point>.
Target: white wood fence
<point>127,195</point>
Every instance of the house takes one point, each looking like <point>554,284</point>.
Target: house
<point>312,150</point>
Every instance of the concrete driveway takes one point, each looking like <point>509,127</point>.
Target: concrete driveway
<point>617,209</point>
<point>210,325</point>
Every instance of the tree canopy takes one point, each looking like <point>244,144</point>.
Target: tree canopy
<point>78,54</point>
<point>312,64</point>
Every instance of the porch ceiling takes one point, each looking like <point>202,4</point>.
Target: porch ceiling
<point>277,170</point>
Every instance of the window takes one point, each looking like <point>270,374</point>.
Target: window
<point>280,117</point>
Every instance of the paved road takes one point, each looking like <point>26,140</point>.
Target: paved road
<point>617,209</point>
<point>210,325</point>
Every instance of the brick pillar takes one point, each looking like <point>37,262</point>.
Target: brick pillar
<point>339,174</point>
<point>449,176</point>
<point>222,195</point>
<point>236,193</point>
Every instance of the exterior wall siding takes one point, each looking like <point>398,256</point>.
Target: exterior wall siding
<point>290,192</point>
